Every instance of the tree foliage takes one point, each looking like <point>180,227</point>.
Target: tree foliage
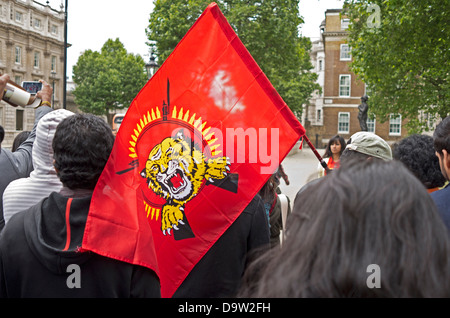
<point>107,80</point>
<point>268,28</point>
<point>400,49</point>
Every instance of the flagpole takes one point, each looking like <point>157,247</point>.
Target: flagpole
<point>65,57</point>
<point>319,157</point>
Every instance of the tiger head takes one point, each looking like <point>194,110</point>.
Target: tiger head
<point>174,170</point>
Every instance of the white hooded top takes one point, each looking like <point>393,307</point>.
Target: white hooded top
<point>23,193</point>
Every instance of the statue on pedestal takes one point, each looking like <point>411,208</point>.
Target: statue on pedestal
<point>362,116</point>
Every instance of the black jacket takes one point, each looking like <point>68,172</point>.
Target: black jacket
<point>219,272</point>
<point>40,257</point>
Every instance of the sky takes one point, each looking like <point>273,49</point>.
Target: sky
<point>92,22</point>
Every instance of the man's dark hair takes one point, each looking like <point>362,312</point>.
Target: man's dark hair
<point>2,134</point>
<point>417,153</point>
<point>441,136</point>
<point>81,146</point>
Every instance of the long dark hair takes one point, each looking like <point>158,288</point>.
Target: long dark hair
<point>333,140</point>
<point>20,138</point>
<point>366,212</point>
<point>268,190</point>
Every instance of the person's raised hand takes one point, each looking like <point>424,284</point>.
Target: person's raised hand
<point>45,94</point>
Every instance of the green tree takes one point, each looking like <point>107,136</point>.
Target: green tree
<point>107,80</point>
<point>269,30</point>
<point>400,49</point>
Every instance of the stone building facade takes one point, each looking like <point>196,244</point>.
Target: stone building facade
<point>31,48</point>
<point>335,110</point>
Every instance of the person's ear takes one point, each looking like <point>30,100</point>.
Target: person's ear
<point>54,166</point>
<point>446,161</point>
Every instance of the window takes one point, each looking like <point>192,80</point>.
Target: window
<point>53,66</point>
<point>18,79</point>
<point>36,59</point>
<point>19,119</point>
<point>344,85</point>
<point>18,55</point>
<point>429,121</point>
<point>367,90</point>
<point>54,29</point>
<point>37,23</point>
<point>320,65</point>
<point>343,123</point>
<point>371,125</point>
<point>19,16</point>
<point>395,124</point>
<point>344,24</point>
<point>345,52</point>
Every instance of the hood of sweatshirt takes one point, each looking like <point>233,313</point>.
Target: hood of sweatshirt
<point>54,231</point>
<point>42,152</point>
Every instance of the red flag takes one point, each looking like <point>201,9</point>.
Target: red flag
<point>195,146</point>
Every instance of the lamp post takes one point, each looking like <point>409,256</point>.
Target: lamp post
<point>151,66</point>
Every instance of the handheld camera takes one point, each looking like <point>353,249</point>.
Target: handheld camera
<point>32,87</point>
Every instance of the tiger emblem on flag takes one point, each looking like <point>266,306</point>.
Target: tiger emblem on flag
<point>176,171</point>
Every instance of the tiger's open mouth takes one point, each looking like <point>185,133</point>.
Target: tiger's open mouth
<point>176,182</point>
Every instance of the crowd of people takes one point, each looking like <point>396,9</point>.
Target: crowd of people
<point>377,207</point>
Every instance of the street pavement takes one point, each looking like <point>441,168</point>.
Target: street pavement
<point>301,167</point>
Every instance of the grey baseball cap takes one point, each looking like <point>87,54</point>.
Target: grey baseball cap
<point>370,144</point>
